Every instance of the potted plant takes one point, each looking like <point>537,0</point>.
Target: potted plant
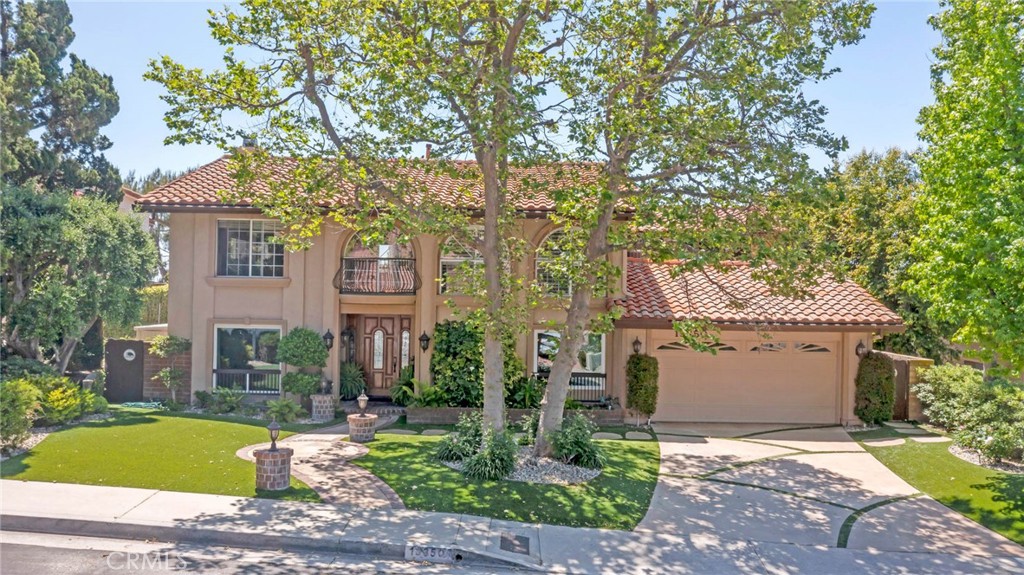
<point>304,349</point>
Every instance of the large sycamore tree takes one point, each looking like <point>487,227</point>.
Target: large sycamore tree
<point>344,90</point>
<point>696,112</point>
<point>970,248</point>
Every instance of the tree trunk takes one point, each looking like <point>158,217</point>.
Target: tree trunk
<point>64,353</point>
<point>494,368</point>
<point>552,407</point>
<point>576,319</point>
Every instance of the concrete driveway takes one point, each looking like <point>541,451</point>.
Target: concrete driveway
<point>817,487</point>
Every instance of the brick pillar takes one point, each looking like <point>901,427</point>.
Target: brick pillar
<point>273,468</point>
<point>322,406</point>
<point>361,427</point>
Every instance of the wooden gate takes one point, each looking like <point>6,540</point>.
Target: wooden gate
<point>125,359</point>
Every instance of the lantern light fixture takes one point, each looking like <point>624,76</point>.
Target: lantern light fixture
<point>329,339</point>
<point>424,341</point>
<point>275,431</point>
<point>636,345</point>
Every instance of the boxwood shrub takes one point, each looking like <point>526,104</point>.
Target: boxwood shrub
<point>642,383</point>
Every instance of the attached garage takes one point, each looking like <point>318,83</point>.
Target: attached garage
<point>779,359</point>
<point>786,379</point>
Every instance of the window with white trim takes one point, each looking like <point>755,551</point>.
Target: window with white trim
<point>456,256</point>
<point>245,248</point>
<point>590,359</point>
<point>545,269</point>
<point>245,358</point>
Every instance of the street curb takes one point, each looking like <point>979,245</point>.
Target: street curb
<point>193,535</point>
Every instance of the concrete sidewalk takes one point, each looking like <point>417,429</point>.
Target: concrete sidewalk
<point>265,524</point>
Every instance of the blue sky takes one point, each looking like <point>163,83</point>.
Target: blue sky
<point>874,101</point>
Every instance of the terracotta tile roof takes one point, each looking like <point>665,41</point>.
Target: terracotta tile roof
<point>732,296</point>
<point>200,188</point>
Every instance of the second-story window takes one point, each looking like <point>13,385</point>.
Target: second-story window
<point>245,248</point>
<point>458,259</point>
<point>547,268</point>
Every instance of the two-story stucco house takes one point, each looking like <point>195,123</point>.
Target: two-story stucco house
<point>233,293</point>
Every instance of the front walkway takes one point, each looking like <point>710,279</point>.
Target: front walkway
<point>323,461</point>
<point>811,486</point>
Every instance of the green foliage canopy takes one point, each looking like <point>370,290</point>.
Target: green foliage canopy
<point>69,260</point>
<point>55,105</point>
<point>970,249</point>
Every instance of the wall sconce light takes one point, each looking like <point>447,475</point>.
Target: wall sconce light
<point>275,431</point>
<point>861,350</point>
<point>329,339</point>
<point>636,345</point>
<point>424,341</point>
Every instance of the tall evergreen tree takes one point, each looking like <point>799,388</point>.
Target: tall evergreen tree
<point>54,104</point>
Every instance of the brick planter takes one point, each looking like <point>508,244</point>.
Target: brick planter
<point>361,427</point>
<point>273,468</point>
<point>322,407</point>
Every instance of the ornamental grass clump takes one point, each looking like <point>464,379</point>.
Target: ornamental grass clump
<point>574,443</point>
<point>496,458</point>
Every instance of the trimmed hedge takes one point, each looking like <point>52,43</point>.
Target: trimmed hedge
<point>19,405</point>
<point>642,383</point>
<point>876,388</point>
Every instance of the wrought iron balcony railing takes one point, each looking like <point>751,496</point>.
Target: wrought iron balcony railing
<point>377,276</point>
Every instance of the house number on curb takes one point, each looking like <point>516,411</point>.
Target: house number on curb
<point>429,553</point>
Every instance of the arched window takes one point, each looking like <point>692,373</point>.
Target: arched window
<point>546,272</point>
<point>388,267</point>
<point>457,257</point>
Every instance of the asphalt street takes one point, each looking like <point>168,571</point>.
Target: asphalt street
<point>42,554</point>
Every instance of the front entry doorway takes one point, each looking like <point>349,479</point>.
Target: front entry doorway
<point>384,348</point>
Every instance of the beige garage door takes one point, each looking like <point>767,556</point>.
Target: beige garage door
<point>786,379</point>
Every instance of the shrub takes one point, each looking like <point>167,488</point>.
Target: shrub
<point>17,367</point>
<point>92,403</point>
<point>875,388</point>
<point>170,346</point>
<point>62,405</point>
<point>526,394</point>
<point>573,443</point>
<point>529,424</point>
<point>464,441</point>
<point>432,396</point>
<point>949,392</point>
<point>284,410</point>
<point>19,405</point>
<point>642,384</point>
<point>351,381</point>
<point>403,392</point>
<point>302,347</point>
<point>228,400</point>
<point>205,399</point>
<point>457,364</point>
<point>496,458</point>
<point>304,384</point>
<point>987,416</point>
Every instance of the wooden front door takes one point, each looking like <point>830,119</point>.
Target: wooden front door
<point>386,347</point>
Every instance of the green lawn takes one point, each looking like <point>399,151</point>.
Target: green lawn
<point>616,499</point>
<point>153,450</point>
<point>992,498</point>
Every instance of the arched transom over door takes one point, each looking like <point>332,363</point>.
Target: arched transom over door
<point>385,266</point>
<point>789,378</point>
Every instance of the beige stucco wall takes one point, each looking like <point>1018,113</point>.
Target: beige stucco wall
<point>305,296</point>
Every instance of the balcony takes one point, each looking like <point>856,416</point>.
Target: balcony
<point>377,276</point>
<point>254,381</point>
<point>583,387</point>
